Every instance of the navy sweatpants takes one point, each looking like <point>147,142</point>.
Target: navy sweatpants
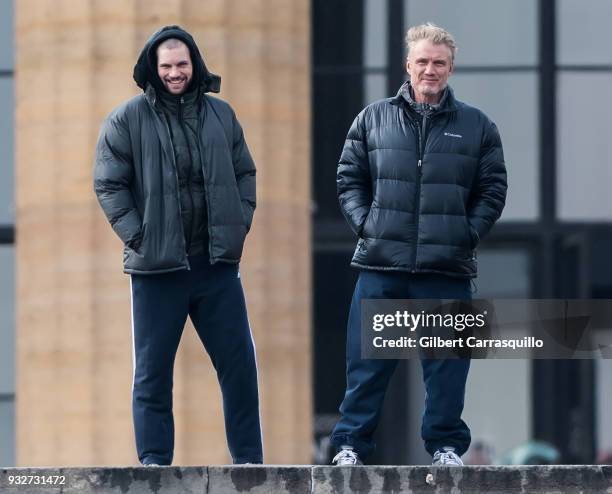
<point>211,295</point>
<point>367,379</point>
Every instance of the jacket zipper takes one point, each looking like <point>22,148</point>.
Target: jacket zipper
<point>422,142</point>
<point>202,163</point>
<point>189,183</point>
<point>178,197</point>
<point>421,137</point>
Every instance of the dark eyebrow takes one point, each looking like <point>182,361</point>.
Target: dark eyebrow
<point>166,64</point>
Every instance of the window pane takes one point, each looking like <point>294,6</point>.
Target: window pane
<point>7,433</point>
<point>604,404</point>
<point>583,32</point>
<point>375,33</point>
<point>7,213</point>
<point>7,319</point>
<point>516,116</point>
<point>503,273</point>
<point>486,32</point>
<point>6,35</point>
<point>498,393</point>
<point>375,88</point>
<point>584,148</point>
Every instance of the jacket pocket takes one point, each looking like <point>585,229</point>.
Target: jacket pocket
<point>236,243</point>
<point>139,249</point>
<point>364,230</point>
<point>474,237</point>
<point>247,216</point>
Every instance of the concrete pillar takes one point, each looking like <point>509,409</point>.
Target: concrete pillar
<point>74,64</point>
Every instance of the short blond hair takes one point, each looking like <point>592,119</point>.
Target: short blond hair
<point>433,33</point>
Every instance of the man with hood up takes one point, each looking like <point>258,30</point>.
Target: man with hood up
<point>176,181</point>
<point>421,180</point>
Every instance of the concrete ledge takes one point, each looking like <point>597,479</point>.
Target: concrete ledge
<point>260,480</point>
<point>307,479</point>
<point>474,479</point>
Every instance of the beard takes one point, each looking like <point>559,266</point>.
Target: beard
<point>171,85</point>
<point>428,90</point>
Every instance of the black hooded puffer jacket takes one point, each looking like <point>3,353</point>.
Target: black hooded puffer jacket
<point>420,194</point>
<point>135,177</point>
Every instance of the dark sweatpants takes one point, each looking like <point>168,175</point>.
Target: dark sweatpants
<point>367,379</point>
<point>211,295</point>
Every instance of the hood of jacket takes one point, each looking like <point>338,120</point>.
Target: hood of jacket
<point>145,70</point>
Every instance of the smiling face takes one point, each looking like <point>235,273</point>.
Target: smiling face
<point>429,66</point>
<point>174,67</point>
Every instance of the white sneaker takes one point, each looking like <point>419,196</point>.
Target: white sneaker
<point>447,457</point>
<point>346,456</point>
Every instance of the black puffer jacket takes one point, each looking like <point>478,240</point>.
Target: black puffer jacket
<point>135,176</point>
<point>421,193</point>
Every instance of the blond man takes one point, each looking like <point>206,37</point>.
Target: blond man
<point>421,180</point>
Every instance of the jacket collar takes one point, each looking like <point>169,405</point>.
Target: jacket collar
<point>403,97</point>
<point>152,96</point>
<point>171,101</point>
